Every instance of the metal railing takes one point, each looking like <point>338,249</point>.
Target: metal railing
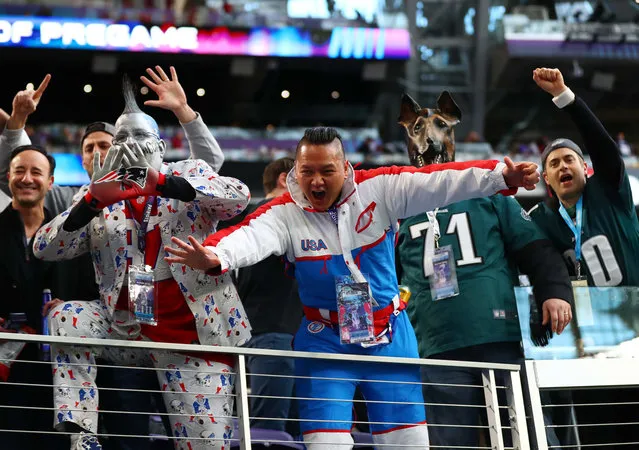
<point>500,427</point>
<point>598,376</point>
<point>588,375</point>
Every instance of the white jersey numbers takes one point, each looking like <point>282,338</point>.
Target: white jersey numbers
<point>601,261</point>
<point>459,225</point>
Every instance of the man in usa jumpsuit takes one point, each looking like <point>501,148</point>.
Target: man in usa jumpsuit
<point>338,221</point>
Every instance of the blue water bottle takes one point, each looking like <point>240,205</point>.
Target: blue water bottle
<point>45,347</point>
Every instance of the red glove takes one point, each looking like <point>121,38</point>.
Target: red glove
<point>124,184</point>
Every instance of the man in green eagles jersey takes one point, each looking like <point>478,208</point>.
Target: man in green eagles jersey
<point>590,220</point>
<point>460,263</point>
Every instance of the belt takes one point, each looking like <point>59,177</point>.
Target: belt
<point>381,318</point>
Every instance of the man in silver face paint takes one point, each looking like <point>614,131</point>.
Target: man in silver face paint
<point>97,139</point>
<point>133,206</point>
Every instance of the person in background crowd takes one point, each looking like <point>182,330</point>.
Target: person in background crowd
<point>133,205</point>
<point>624,147</point>
<point>338,225</point>
<point>474,137</point>
<point>23,278</point>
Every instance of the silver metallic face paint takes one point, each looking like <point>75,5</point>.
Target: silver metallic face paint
<point>141,129</point>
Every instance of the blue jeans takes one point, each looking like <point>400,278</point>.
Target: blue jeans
<point>277,408</point>
<point>498,352</point>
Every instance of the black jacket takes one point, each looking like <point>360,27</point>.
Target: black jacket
<point>23,277</point>
<point>268,290</point>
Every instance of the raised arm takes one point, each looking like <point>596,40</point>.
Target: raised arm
<point>604,152</point>
<point>171,96</point>
<point>13,134</point>
<point>260,235</point>
<point>408,190</point>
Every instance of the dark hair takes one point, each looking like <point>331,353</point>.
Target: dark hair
<point>36,148</point>
<point>130,104</point>
<point>320,136</point>
<point>273,170</point>
<point>97,126</point>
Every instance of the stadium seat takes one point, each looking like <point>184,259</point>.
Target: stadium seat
<point>283,440</point>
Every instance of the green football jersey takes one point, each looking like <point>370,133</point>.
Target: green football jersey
<point>483,234</point>
<point>609,235</point>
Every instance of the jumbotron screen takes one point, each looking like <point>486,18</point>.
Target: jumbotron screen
<point>99,34</point>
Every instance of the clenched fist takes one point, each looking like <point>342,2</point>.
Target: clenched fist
<point>550,80</point>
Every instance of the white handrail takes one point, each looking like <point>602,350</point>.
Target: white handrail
<point>250,351</point>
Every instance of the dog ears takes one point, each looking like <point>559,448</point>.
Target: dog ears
<point>447,105</point>
<point>409,110</point>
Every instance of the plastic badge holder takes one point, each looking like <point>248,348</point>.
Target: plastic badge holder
<point>142,300</point>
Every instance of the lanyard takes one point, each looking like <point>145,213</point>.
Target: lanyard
<point>431,242</point>
<point>141,228</point>
<point>332,212</point>
<point>575,227</point>
<point>432,218</point>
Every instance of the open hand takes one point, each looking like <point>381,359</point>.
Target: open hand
<point>139,177</point>
<point>550,80</point>
<point>105,184</point>
<point>522,174</point>
<point>112,162</point>
<point>171,96</point>
<point>558,313</point>
<point>125,174</point>
<point>193,254</point>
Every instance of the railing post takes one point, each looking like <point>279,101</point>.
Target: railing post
<point>517,411</point>
<point>241,389</point>
<point>492,409</point>
<point>539,428</point>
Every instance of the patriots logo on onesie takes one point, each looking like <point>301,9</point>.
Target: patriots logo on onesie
<point>135,175</point>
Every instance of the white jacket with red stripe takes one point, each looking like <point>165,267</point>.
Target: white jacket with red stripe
<point>362,244</point>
